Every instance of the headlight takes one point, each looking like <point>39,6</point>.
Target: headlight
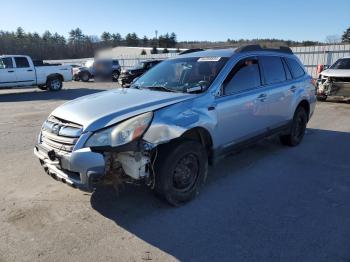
<point>122,133</point>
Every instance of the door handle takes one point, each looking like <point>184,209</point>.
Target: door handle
<point>11,71</point>
<point>30,70</point>
<point>293,89</point>
<point>262,97</point>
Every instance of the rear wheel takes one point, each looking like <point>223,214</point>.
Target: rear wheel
<point>180,171</point>
<point>297,130</point>
<point>54,84</point>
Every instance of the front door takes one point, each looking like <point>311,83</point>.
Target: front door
<point>240,107</point>
<point>24,72</point>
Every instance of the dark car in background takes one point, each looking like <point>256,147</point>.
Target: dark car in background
<point>98,68</point>
<point>128,75</point>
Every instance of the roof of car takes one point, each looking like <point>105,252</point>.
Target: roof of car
<point>243,49</point>
<point>13,55</point>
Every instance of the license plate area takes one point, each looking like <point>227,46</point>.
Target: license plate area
<point>51,154</point>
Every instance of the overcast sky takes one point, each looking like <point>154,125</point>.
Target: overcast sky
<point>190,20</point>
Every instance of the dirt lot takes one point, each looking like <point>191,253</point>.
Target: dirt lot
<point>267,203</point>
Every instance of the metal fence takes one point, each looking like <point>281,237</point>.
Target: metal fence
<point>311,56</point>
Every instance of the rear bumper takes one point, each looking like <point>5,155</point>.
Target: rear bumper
<point>81,169</point>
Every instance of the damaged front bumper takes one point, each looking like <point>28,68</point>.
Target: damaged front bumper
<point>80,169</point>
<point>334,87</point>
<point>86,167</point>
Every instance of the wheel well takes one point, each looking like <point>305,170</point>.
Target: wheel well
<point>305,104</point>
<point>201,135</point>
<point>54,76</point>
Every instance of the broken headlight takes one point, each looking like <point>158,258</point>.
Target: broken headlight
<point>122,133</point>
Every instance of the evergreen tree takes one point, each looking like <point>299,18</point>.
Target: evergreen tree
<point>154,50</point>
<point>346,36</point>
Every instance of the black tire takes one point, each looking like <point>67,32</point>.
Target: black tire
<point>321,98</point>
<point>85,77</point>
<point>115,75</point>
<point>42,87</point>
<point>54,83</point>
<point>297,129</point>
<point>180,171</point>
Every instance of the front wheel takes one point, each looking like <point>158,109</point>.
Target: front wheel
<point>297,129</point>
<point>180,171</point>
<point>54,84</point>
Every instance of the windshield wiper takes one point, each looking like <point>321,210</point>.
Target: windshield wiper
<point>159,88</point>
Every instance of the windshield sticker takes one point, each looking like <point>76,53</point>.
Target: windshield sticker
<point>209,59</point>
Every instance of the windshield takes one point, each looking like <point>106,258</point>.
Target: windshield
<point>89,63</point>
<point>182,74</point>
<point>343,63</point>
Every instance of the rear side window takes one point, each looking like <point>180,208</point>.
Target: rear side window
<point>286,69</point>
<point>6,62</point>
<point>273,69</point>
<point>295,68</point>
<point>244,76</point>
<point>21,62</point>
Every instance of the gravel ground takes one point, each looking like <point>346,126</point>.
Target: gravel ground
<point>266,203</point>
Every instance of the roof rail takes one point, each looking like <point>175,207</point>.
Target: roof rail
<point>249,48</point>
<point>191,51</point>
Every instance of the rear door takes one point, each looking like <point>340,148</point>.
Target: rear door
<point>24,71</point>
<point>7,72</point>
<point>278,87</point>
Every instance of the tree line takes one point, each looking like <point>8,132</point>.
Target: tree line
<point>77,45</point>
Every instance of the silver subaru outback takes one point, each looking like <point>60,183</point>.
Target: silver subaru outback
<point>183,114</point>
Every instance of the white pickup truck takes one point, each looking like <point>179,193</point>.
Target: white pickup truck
<point>19,70</point>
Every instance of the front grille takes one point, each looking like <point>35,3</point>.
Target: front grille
<point>60,135</point>
<point>340,79</point>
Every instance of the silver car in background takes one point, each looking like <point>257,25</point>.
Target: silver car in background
<point>335,81</point>
<point>183,114</point>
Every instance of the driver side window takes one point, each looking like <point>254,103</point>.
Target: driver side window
<point>245,75</point>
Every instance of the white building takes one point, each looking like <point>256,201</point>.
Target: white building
<point>126,52</point>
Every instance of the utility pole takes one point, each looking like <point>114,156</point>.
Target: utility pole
<point>156,36</point>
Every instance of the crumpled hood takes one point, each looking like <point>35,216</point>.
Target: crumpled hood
<point>103,109</point>
<point>336,72</point>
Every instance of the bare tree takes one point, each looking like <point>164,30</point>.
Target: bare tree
<point>333,39</point>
